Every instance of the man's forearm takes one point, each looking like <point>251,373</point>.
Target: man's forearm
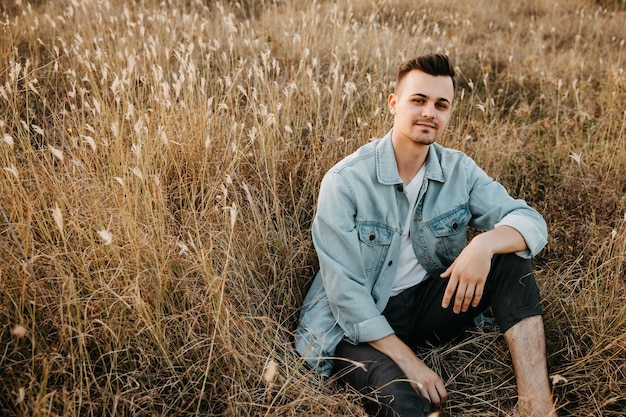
<point>501,240</point>
<point>397,350</point>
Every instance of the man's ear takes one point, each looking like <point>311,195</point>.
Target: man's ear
<point>391,102</point>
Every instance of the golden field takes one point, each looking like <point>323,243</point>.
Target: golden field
<point>159,168</point>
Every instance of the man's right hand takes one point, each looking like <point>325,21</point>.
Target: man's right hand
<point>423,379</point>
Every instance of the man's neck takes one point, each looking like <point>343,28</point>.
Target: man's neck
<point>410,160</point>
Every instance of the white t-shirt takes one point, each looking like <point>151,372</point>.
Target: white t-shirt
<point>409,272</point>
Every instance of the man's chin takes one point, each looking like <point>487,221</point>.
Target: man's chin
<point>424,140</point>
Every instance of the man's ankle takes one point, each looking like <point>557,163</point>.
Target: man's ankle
<point>534,406</point>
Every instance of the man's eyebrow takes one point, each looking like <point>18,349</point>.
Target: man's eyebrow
<point>425,96</point>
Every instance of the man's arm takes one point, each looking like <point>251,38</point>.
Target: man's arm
<point>422,378</point>
<point>347,286</point>
<point>468,273</point>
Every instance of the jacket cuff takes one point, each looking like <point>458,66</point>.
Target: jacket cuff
<point>370,330</point>
<point>535,238</point>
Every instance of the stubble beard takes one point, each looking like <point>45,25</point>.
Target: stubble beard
<point>424,137</point>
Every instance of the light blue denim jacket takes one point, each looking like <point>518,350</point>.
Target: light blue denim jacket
<point>358,227</point>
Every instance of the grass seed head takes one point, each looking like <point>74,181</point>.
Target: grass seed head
<point>57,215</point>
<point>8,139</point>
<point>106,236</point>
<point>57,153</point>
<point>271,372</point>
<point>19,331</point>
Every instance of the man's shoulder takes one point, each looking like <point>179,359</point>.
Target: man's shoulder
<point>450,158</point>
<point>445,152</point>
<point>362,155</point>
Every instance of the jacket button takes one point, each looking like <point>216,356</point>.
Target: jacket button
<point>390,262</point>
<point>455,225</point>
<point>372,236</point>
<point>400,188</point>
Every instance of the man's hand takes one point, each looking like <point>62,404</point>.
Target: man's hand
<point>468,273</point>
<point>423,379</point>
<point>426,381</point>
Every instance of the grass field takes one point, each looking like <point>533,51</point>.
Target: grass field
<point>159,168</point>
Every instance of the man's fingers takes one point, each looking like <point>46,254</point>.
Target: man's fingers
<point>421,389</point>
<point>443,394</point>
<point>459,300</point>
<point>434,396</point>
<point>434,391</point>
<point>447,272</point>
<point>438,394</point>
<point>465,293</point>
<point>447,295</point>
<point>424,393</point>
<point>478,295</point>
<point>467,298</point>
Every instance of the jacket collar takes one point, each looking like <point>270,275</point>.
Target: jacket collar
<point>387,168</point>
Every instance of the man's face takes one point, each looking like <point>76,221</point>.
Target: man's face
<point>422,105</point>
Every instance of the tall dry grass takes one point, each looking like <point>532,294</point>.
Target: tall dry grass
<point>160,163</point>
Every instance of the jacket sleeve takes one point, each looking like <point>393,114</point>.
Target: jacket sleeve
<point>491,206</point>
<point>341,265</point>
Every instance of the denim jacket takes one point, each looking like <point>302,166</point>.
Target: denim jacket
<point>357,232</point>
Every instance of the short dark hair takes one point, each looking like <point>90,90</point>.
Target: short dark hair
<point>432,64</point>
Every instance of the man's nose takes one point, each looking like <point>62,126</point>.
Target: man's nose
<point>428,112</point>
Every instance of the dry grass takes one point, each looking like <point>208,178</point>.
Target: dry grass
<point>160,164</point>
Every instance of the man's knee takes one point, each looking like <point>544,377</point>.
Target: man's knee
<point>511,264</point>
<point>513,290</point>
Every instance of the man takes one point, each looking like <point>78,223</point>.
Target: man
<point>395,270</point>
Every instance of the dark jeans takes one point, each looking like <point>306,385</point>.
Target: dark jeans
<point>418,319</point>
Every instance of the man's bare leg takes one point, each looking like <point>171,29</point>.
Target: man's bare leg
<point>527,344</point>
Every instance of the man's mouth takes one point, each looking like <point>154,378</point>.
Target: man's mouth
<point>426,124</point>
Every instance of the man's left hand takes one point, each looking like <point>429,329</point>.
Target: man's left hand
<point>467,274</point>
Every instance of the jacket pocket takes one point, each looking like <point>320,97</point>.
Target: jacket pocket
<point>450,233</point>
<point>375,240</point>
